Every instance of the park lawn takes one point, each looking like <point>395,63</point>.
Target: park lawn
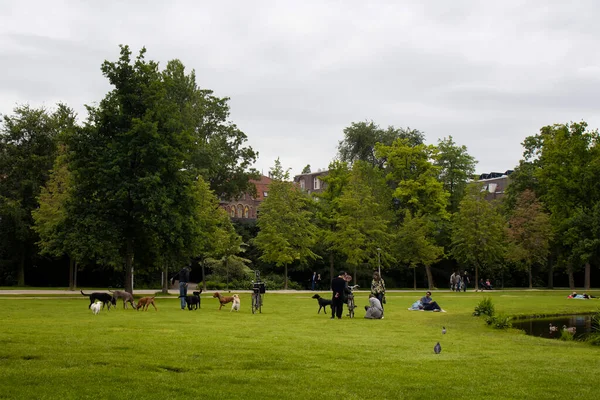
<point>57,349</point>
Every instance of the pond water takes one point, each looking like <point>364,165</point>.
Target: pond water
<point>541,326</point>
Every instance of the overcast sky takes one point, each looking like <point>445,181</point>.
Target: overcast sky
<point>487,73</point>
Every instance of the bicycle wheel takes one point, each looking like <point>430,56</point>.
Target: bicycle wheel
<point>254,302</point>
<point>351,308</point>
<point>260,303</point>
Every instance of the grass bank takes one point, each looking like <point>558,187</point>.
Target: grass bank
<point>56,349</point>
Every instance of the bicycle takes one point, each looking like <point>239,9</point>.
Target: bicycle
<point>350,301</point>
<point>258,289</point>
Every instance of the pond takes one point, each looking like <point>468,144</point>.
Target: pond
<point>541,326</point>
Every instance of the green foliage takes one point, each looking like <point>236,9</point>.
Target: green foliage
<point>360,140</point>
<point>566,335</point>
<point>485,307</point>
<point>456,168</point>
<point>287,232</point>
<point>478,233</point>
<point>499,321</point>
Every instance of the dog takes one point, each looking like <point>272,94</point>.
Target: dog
<point>193,301</point>
<point>236,303</point>
<point>126,296</point>
<point>323,303</point>
<point>223,299</point>
<point>96,307</point>
<point>145,302</point>
<point>105,298</point>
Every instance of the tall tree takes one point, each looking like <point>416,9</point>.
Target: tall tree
<point>529,233</point>
<point>131,196</point>
<point>287,233</point>
<point>362,217</point>
<point>28,140</point>
<point>456,168</point>
<point>562,164</point>
<point>360,139</point>
<point>478,233</point>
<point>418,247</point>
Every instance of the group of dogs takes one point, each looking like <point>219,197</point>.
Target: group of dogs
<point>98,300</point>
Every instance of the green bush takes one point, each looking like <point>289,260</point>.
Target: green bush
<point>485,307</point>
<point>565,335</point>
<point>499,321</point>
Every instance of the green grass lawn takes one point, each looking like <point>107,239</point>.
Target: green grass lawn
<point>56,348</point>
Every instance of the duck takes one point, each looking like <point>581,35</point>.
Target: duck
<point>553,328</point>
<point>570,329</point>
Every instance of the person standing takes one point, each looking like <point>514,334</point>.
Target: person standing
<point>465,281</point>
<point>183,276</point>
<point>313,281</point>
<point>378,289</point>
<point>452,281</point>
<point>318,281</point>
<point>375,309</point>
<point>338,287</point>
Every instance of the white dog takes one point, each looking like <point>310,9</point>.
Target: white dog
<point>96,307</point>
<point>236,303</point>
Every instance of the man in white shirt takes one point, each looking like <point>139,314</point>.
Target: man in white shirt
<point>374,310</point>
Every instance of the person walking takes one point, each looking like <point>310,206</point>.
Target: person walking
<point>338,287</point>
<point>313,281</point>
<point>465,281</point>
<point>183,276</point>
<point>378,289</point>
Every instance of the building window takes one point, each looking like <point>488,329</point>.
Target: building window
<point>316,183</point>
<point>302,185</point>
<point>240,211</point>
<point>232,212</point>
<point>246,211</point>
<point>265,194</point>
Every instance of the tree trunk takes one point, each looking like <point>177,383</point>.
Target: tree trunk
<point>331,271</point>
<point>415,278</point>
<point>586,284</point>
<point>429,277</point>
<point>476,277</point>
<point>571,278</point>
<point>285,285</point>
<point>550,276</point>
<point>75,276</point>
<point>21,271</point>
<point>129,267</point>
<point>71,273</point>
<point>203,275</point>
<point>355,275</point>
<point>165,280</point>
<point>530,277</point>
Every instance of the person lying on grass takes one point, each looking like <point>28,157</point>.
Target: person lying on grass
<point>428,304</point>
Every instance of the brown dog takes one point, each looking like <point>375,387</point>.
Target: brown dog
<point>223,299</point>
<point>144,302</point>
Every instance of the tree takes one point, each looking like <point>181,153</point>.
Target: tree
<point>131,196</point>
<point>360,139</point>
<point>306,169</point>
<point>529,233</point>
<point>362,218</point>
<point>456,167</point>
<point>229,263</point>
<point>416,244</point>
<point>478,233</point>
<point>27,151</point>
<point>287,233</point>
<point>561,163</point>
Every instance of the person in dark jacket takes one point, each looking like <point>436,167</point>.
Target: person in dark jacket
<point>339,288</point>
<point>183,276</point>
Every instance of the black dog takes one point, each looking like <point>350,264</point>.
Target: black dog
<point>323,303</point>
<point>105,298</point>
<point>193,301</point>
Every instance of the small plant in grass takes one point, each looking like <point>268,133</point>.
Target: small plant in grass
<point>565,335</point>
<point>499,321</point>
<point>485,307</point>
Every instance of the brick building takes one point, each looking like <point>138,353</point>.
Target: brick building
<point>246,207</point>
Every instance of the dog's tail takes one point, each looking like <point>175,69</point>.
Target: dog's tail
<point>84,293</point>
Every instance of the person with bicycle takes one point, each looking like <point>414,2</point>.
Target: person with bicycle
<point>378,289</point>
<point>339,287</point>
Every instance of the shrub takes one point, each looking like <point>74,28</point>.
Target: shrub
<point>485,307</point>
<point>565,335</point>
<point>499,321</point>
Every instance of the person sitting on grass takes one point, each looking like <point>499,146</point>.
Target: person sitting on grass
<point>428,304</point>
<point>374,309</point>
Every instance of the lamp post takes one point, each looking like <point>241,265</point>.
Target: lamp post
<point>379,261</point>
